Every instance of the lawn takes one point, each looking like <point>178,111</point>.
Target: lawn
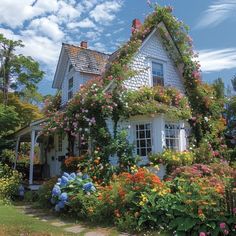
<point>13,222</point>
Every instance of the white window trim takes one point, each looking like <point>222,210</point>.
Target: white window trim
<point>70,89</point>
<point>150,60</point>
<point>179,135</point>
<point>133,127</point>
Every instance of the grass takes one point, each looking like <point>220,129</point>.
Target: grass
<point>13,222</point>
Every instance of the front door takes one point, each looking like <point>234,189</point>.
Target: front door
<point>59,154</point>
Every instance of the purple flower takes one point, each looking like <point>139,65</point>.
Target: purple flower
<point>61,204</point>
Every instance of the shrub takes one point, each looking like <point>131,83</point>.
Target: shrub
<point>172,159</point>
<point>67,188</point>
<point>7,156</point>
<point>122,200</point>
<point>71,164</point>
<point>45,193</point>
<point>195,203</point>
<point>9,182</point>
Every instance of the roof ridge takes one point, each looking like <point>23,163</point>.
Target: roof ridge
<point>77,46</point>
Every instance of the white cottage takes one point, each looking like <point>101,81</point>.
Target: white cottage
<point>78,64</point>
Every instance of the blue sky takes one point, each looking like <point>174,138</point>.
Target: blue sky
<point>44,24</point>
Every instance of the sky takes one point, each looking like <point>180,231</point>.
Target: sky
<point>43,25</point>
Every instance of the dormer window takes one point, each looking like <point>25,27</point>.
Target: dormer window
<point>70,67</point>
<point>157,73</point>
<point>70,88</point>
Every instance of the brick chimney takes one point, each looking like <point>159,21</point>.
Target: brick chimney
<point>136,24</point>
<point>84,44</point>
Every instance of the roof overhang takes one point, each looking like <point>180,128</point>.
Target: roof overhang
<point>60,69</point>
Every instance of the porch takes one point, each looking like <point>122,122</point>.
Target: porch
<point>34,173</point>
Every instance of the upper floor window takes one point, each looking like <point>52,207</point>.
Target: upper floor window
<point>70,88</point>
<point>157,74</point>
<point>172,133</point>
<point>143,139</point>
<point>70,67</point>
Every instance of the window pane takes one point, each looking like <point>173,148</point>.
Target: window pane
<point>70,86</point>
<point>172,136</point>
<point>157,74</point>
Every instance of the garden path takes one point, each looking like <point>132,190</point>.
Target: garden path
<point>68,226</point>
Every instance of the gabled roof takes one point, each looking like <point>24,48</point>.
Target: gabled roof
<point>83,60</point>
<point>86,60</point>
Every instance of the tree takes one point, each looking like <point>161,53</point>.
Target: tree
<point>219,87</point>
<point>17,72</point>
<point>233,81</point>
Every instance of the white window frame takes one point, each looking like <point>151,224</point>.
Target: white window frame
<point>59,142</point>
<point>170,140</point>
<point>70,90</point>
<point>163,63</point>
<point>136,139</point>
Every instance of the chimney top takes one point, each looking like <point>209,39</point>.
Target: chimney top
<point>136,24</point>
<point>84,44</point>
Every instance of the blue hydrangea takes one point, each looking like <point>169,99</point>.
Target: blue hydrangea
<point>56,191</point>
<point>53,200</point>
<point>66,174</point>
<point>64,181</point>
<point>61,204</point>
<point>64,197</point>
<point>88,187</point>
<point>57,208</point>
<point>85,176</point>
<point>73,175</point>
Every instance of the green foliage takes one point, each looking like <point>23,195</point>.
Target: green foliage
<point>9,119</point>
<point>18,72</point>
<point>7,156</point>
<point>9,182</point>
<point>45,193</point>
<point>158,100</point>
<point>172,159</point>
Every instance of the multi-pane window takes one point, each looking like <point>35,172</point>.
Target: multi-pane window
<point>70,88</point>
<point>59,143</point>
<point>172,132</point>
<point>157,74</point>
<point>143,139</point>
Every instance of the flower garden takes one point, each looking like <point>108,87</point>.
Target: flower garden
<point>197,195</point>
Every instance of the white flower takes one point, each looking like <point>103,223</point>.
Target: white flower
<point>206,119</point>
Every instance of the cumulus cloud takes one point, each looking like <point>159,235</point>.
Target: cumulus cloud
<point>46,27</point>
<point>216,60</point>
<point>86,23</point>
<point>105,12</point>
<point>217,12</point>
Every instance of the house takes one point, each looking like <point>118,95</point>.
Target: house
<point>149,134</point>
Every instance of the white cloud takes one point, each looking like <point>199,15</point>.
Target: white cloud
<point>105,12</point>
<point>13,14</point>
<point>217,60</point>
<point>216,13</point>
<point>86,23</point>
<point>46,27</point>
<point>99,47</point>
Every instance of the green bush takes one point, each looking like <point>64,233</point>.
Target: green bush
<point>45,193</point>
<point>7,156</point>
<point>9,182</point>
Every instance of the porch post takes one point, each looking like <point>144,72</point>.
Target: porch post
<point>16,151</point>
<point>32,157</point>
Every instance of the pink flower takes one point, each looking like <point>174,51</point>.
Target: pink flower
<point>226,232</point>
<point>202,234</point>
<point>222,225</point>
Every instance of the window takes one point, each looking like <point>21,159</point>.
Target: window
<point>70,67</point>
<point>157,74</point>
<point>60,139</point>
<point>172,132</point>
<point>70,88</point>
<point>143,139</point>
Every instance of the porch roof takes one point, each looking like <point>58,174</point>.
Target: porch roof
<point>25,133</point>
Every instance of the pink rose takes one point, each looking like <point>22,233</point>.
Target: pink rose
<point>202,234</point>
<point>222,225</point>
